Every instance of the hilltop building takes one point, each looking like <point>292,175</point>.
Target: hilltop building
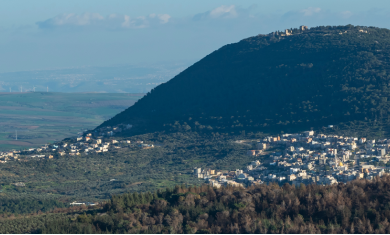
<point>303,27</point>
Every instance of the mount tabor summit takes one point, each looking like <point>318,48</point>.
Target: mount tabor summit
<point>297,78</point>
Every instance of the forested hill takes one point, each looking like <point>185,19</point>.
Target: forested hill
<point>324,75</point>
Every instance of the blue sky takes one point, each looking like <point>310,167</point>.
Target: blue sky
<point>47,34</point>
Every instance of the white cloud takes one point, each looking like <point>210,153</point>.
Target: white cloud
<point>134,23</point>
<point>164,18</point>
<point>312,16</point>
<point>228,16</point>
<point>310,11</point>
<point>145,21</point>
<point>346,14</point>
<point>224,11</point>
<point>73,19</point>
<point>112,16</point>
<point>113,21</point>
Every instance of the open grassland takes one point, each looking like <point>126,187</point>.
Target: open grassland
<point>42,117</point>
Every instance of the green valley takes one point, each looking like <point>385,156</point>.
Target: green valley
<point>42,117</point>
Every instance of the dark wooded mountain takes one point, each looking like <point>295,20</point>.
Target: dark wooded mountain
<point>324,75</point>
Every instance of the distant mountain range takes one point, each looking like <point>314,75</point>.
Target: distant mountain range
<point>114,79</point>
<point>298,78</point>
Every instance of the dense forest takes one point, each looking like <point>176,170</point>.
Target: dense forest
<point>33,222</point>
<point>27,205</point>
<point>359,206</point>
<point>325,75</point>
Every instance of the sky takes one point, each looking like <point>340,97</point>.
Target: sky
<point>47,34</point>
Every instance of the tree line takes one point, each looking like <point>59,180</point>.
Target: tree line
<point>360,206</point>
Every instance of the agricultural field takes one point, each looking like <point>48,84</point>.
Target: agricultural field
<point>43,117</point>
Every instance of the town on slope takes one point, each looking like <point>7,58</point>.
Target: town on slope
<point>306,158</point>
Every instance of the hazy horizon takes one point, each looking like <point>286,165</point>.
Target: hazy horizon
<point>84,46</point>
<point>99,79</point>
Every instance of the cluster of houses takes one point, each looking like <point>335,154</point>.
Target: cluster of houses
<point>307,158</point>
<point>15,155</point>
<point>219,178</point>
<point>90,144</point>
<point>288,32</point>
<point>9,155</point>
<point>98,141</point>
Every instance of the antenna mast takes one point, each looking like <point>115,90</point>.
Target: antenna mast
<point>47,89</point>
<point>16,138</point>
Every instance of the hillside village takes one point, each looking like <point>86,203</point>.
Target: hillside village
<point>302,158</point>
<point>89,142</point>
<point>307,158</point>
